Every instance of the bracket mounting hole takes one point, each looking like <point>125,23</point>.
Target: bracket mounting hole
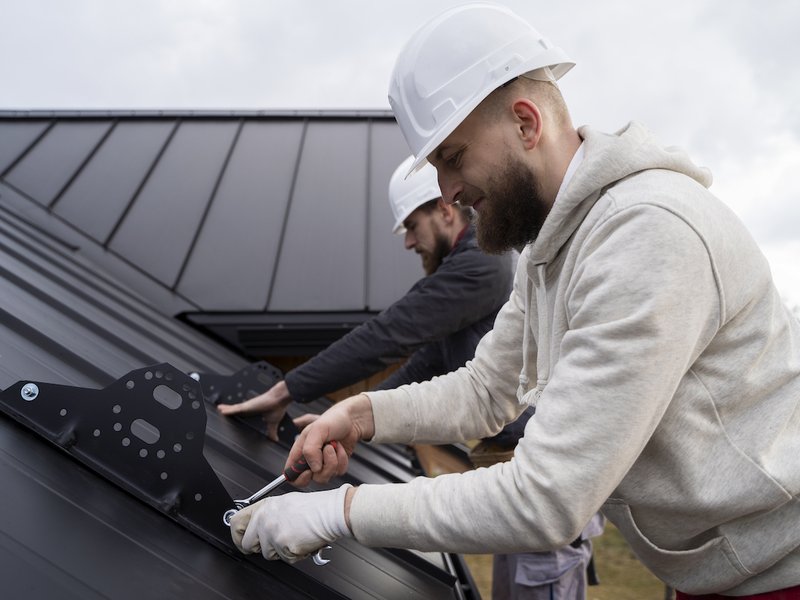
<point>168,397</point>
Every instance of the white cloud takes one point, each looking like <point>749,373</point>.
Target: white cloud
<point>783,257</point>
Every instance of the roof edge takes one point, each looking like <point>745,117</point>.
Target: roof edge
<point>200,114</point>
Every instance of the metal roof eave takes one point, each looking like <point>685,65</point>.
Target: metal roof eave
<point>66,114</point>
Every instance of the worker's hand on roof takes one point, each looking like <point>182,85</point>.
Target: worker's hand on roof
<point>346,422</point>
<point>292,526</point>
<point>305,420</point>
<point>272,404</point>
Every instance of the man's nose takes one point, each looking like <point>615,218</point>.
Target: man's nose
<point>410,240</point>
<point>450,187</point>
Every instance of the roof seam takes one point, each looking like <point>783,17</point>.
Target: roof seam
<point>286,214</point>
<point>139,189</point>
<point>25,152</point>
<point>201,224</point>
<point>117,308</point>
<point>111,251</point>
<point>82,166</point>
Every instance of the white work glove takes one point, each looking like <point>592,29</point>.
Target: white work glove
<point>291,526</point>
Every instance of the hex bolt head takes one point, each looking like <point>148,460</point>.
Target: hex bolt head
<point>29,391</point>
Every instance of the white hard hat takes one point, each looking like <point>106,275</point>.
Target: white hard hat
<point>457,59</point>
<point>406,194</point>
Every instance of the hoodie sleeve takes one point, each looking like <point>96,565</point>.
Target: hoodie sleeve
<point>639,317</point>
<point>424,364</point>
<point>473,402</point>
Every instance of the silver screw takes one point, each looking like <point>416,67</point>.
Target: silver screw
<point>29,391</point>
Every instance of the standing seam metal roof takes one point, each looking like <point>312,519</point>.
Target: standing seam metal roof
<point>68,531</point>
<point>220,210</point>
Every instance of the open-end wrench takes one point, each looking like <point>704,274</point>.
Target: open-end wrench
<point>290,473</point>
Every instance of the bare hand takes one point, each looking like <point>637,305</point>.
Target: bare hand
<point>272,404</point>
<point>347,422</point>
<point>305,420</point>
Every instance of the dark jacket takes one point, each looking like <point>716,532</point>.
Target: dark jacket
<point>437,324</point>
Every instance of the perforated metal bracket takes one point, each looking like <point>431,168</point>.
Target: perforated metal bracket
<point>248,382</point>
<point>145,432</point>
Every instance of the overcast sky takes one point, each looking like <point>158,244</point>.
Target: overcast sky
<point>718,77</point>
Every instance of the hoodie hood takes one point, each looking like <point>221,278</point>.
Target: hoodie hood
<point>608,158</point>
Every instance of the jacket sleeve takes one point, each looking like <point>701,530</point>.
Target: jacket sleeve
<point>424,364</point>
<point>473,402</point>
<point>465,288</point>
<point>633,333</point>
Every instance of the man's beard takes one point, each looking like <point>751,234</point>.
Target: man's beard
<point>513,211</point>
<point>431,260</point>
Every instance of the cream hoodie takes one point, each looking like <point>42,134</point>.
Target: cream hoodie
<point>645,327</point>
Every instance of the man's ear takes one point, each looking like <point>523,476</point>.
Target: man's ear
<point>529,122</point>
<point>446,211</point>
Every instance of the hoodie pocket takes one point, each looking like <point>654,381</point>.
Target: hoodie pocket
<point>710,567</point>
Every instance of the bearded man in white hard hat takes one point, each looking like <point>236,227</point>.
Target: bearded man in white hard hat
<point>644,326</point>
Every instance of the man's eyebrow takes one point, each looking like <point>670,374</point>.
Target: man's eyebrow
<point>437,153</point>
<point>448,148</point>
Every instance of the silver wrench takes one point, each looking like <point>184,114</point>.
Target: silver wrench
<point>289,474</point>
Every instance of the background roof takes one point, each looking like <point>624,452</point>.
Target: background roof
<point>207,211</point>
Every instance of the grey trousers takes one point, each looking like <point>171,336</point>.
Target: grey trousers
<point>558,575</point>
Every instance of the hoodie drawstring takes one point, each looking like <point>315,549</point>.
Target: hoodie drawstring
<point>538,290</point>
<point>543,362</point>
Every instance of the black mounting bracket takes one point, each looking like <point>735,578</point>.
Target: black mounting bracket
<point>247,382</point>
<point>145,432</point>
<point>250,381</point>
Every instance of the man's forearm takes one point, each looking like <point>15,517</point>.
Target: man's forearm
<point>360,411</point>
<point>348,501</point>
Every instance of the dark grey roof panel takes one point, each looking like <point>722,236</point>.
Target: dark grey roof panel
<point>56,304</point>
<point>387,256</point>
<point>17,137</point>
<point>219,211</point>
<point>32,216</point>
<point>323,254</point>
<point>118,168</point>
<point>68,534</point>
<point>50,165</point>
<point>240,238</point>
<point>169,209</point>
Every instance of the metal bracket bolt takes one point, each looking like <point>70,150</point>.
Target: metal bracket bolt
<point>29,391</point>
